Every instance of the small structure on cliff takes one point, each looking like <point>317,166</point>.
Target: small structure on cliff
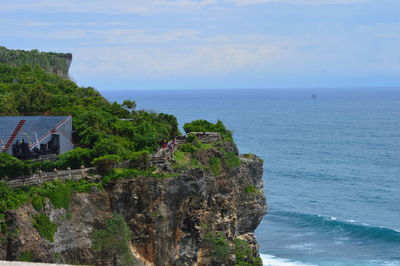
<point>207,137</point>
<point>32,137</point>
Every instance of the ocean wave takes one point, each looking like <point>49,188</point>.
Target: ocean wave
<point>333,224</point>
<point>269,260</point>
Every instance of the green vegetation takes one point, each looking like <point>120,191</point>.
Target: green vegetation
<point>113,240</point>
<point>12,198</point>
<point>230,159</point>
<point>249,155</point>
<point>11,166</point>
<point>25,256</point>
<point>219,248</point>
<point>51,62</point>
<point>45,227</point>
<point>185,160</point>
<point>216,165</point>
<point>101,128</point>
<point>106,163</point>
<point>37,202</point>
<point>58,193</point>
<point>218,245</point>
<point>244,254</point>
<point>189,147</point>
<point>122,173</point>
<point>57,258</point>
<point>181,157</point>
<point>205,126</point>
<point>251,190</point>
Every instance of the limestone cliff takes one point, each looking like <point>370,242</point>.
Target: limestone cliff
<point>187,219</point>
<point>57,63</point>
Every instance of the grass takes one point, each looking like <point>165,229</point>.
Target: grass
<point>114,240</point>
<point>218,245</point>
<point>231,159</point>
<point>37,202</point>
<point>121,173</point>
<point>216,165</point>
<point>25,256</point>
<point>251,190</point>
<point>59,194</point>
<point>244,254</point>
<point>181,158</point>
<point>186,160</point>
<point>45,227</point>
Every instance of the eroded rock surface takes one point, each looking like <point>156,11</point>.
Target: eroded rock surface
<point>169,217</point>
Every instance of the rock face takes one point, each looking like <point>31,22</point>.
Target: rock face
<point>57,63</point>
<point>169,217</point>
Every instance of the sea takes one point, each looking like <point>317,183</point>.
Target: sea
<point>331,171</point>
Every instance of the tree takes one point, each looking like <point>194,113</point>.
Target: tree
<point>114,241</point>
<point>129,104</point>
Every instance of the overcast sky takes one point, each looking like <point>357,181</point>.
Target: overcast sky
<point>186,44</point>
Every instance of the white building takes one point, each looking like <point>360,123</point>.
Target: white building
<point>39,134</point>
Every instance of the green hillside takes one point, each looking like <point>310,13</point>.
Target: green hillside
<point>56,63</point>
<point>101,128</point>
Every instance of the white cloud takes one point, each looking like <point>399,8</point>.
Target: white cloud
<point>224,55</point>
<point>148,6</point>
<point>196,61</point>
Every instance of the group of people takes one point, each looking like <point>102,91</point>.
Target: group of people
<point>169,145</point>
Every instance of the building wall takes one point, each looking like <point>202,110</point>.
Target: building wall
<point>65,132</point>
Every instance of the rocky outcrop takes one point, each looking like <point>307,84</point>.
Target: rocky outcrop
<point>170,218</point>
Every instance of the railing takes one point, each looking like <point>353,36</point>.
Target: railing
<point>160,157</point>
<point>42,177</point>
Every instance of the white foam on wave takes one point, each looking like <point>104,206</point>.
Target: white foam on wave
<point>269,260</point>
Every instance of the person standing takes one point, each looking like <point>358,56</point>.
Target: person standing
<point>165,145</point>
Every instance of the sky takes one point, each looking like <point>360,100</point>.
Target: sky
<point>211,44</point>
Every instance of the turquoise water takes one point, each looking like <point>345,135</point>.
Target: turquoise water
<point>332,166</point>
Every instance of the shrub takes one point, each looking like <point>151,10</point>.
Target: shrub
<point>139,158</point>
<point>114,239</point>
<point>251,190</point>
<point>205,126</point>
<point>192,138</point>
<point>215,165</point>
<point>231,159</point>
<point>37,202</point>
<point>83,186</point>
<point>244,254</point>
<point>188,147</point>
<point>12,167</point>
<point>45,227</point>
<point>25,256</point>
<point>74,158</point>
<point>59,194</point>
<point>113,145</point>
<point>181,158</point>
<point>11,198</point>
<point>218,245</point>
<point>105,163</point>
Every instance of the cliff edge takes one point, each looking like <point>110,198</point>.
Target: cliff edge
<point>56,63</point>
<point>201,208</point>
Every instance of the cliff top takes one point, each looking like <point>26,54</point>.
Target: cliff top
<point>57,63</point>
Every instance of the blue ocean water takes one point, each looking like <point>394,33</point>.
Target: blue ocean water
<point>332,166</point>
